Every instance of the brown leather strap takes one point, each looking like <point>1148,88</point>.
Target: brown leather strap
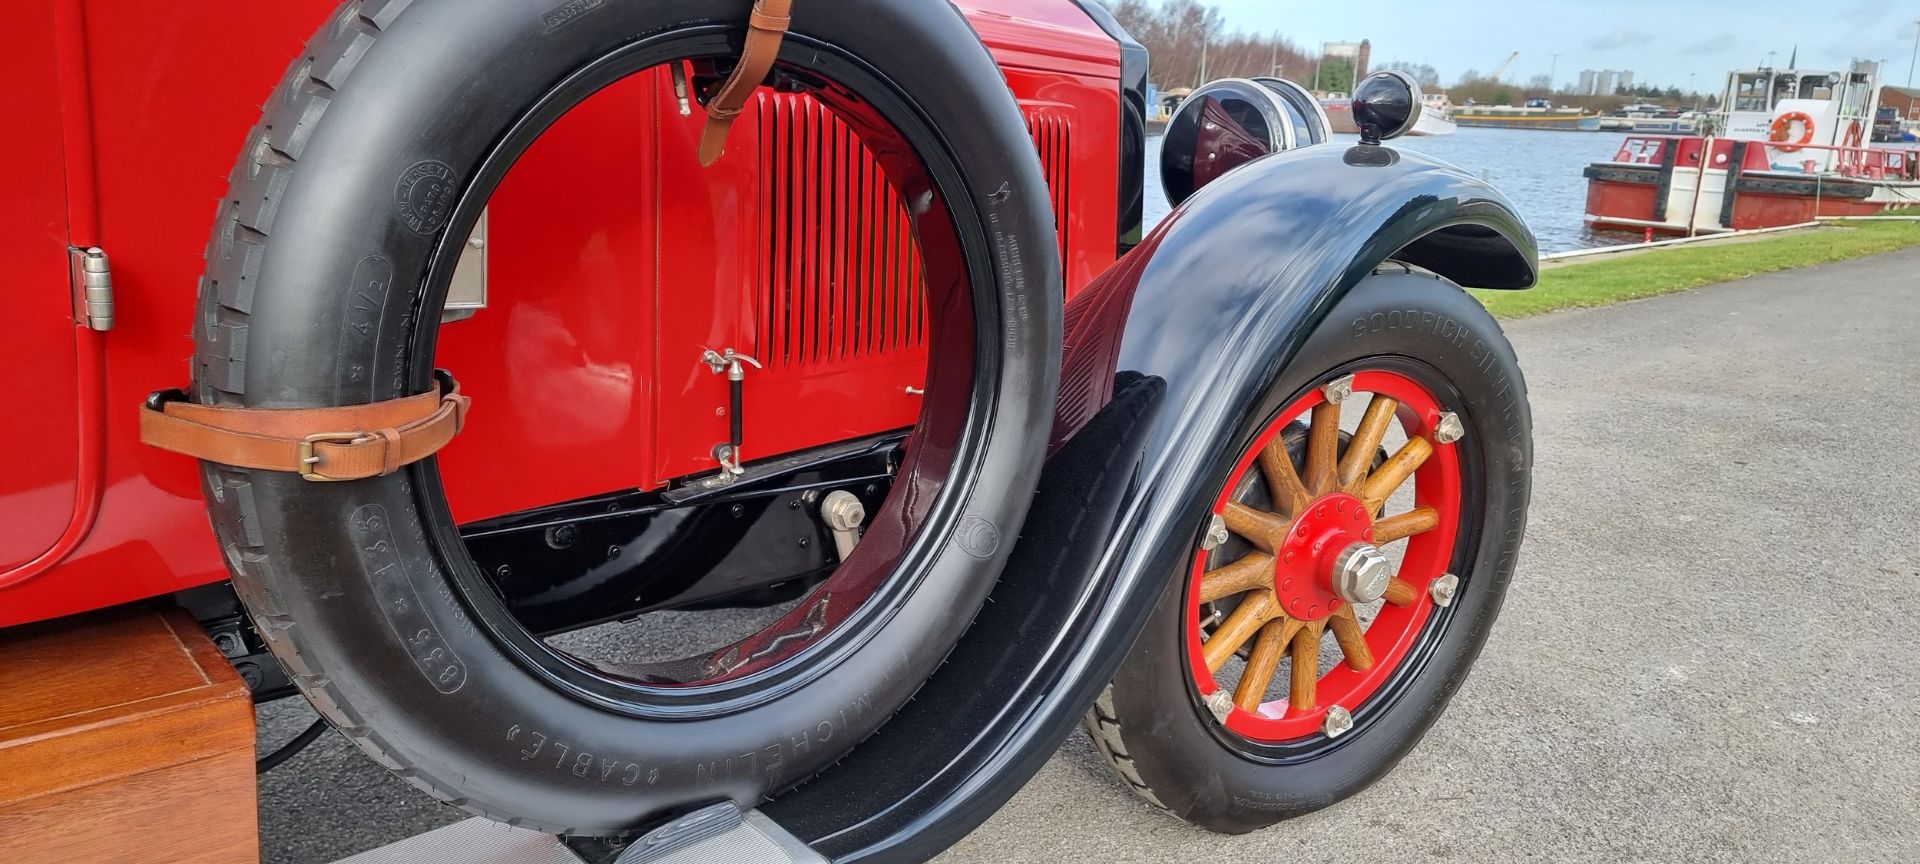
<point>349,442</point>
<point>766,27</point>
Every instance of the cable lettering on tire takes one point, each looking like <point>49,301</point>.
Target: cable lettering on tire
<point>400,603</point>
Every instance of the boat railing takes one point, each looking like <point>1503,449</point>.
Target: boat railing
<point>1866,163</point>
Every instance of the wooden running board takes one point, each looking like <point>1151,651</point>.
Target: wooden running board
<point>124,737</point>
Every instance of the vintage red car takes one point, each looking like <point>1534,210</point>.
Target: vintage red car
<point>753,447</point>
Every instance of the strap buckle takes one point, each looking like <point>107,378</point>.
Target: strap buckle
<point>310,461</point>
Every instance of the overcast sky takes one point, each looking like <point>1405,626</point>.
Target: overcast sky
<point>1662,41</point>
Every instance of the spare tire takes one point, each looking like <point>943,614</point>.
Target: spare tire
<point>328,267</point>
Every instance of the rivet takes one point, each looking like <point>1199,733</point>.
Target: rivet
<point>613,551</point>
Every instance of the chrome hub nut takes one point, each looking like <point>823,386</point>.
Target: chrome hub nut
<point>1361,573</point>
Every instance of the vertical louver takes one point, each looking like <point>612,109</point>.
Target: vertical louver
<point>839,272</point>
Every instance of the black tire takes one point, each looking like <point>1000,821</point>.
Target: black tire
<point>417,95</point>
<point>1150,723</point>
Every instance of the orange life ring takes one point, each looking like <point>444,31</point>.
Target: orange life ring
<point>1783,129</point>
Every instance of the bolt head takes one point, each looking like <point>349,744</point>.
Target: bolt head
<point>1444,589</point>
<point>1339,721</point>
<point>1361,573</point>
<point>1220,703</point>
<point>1216,533</point>
<point>1449,429</point>
<point>1338,389</point>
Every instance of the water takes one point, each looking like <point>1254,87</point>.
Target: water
<point>1538,170</point>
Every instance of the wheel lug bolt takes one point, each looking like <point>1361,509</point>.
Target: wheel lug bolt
<point>1338,389</point>
<point>1220,703</point>
<point>1449,429</point>
<point>1216,533</point>
<point>1444,589</point>
<point>1338,722</point>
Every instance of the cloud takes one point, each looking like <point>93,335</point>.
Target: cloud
<point>1712,44</point>
<point>1620,39</point>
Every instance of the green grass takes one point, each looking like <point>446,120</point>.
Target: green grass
<point>1664,271</point>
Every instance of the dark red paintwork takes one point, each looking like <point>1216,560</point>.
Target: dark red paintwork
<point>129,114</point>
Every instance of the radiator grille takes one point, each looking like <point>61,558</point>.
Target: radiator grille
<point>839,272</point>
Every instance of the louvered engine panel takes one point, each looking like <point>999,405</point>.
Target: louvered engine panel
<point>839,272</point>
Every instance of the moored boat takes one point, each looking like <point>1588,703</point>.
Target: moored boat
<point>1535,114</point>
<point>1436,116</point>
<point>1793,150</point>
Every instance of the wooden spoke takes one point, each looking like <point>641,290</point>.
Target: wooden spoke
<point>1400,592</point>
<point>1416,521</point>
<point>1255,609</point>
<point>1253,570</point>
<point>1323,448</point>
<point>1306,665</point>
<point>1353,640</point>
<point>1267,652</point>
<point>1379,485</point>
<point>1289,496</point>
<point>1366,439</point>
<point>1258,526</point>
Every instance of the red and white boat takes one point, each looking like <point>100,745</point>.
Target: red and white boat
<point>1791,147</point>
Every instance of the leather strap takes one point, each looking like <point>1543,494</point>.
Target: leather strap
<point>766,27</point>
<point>350,442</point>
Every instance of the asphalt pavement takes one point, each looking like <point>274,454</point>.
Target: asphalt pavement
<point>1711,651</point>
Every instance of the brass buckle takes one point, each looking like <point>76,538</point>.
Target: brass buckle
<point>308,459</point>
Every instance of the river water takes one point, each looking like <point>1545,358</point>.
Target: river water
<point>1538,170</point>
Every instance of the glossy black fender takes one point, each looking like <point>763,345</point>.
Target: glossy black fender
<point>1167,354</point>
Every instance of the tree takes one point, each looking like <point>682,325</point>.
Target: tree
<point>1336,73</point>
<point>1428,77</point>
<point>1540,84</point>
<point>1179,33</point>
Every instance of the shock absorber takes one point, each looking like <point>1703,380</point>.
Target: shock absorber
<point>733,365</point>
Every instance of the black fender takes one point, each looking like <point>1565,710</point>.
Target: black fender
<point>1167,354</point>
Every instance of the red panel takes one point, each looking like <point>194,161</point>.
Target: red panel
<point>559,365</point>
<point>175,87</point>
<point>36,491</point>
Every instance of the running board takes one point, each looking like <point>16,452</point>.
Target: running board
<point>717,834</point>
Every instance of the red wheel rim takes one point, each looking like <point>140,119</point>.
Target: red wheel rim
<point>1315,533</point>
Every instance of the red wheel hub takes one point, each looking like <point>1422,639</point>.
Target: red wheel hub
<point>1301,570</point>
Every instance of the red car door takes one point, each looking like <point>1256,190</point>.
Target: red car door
<point>39,428</point>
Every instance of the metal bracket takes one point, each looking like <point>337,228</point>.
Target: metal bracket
<point>92,278</point>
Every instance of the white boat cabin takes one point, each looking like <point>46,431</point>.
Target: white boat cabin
<point>1808,111</point>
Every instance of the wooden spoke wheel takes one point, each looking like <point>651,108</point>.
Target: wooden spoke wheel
<point>1352,551</point>
<point>1305,573</point>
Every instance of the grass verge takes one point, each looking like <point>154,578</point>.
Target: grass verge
<point>1664,271</point>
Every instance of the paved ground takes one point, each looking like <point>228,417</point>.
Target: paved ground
<point>1709,653</point>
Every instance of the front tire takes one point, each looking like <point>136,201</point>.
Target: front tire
<point>1181,723</point>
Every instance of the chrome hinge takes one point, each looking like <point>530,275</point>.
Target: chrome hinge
<point>92,288</point>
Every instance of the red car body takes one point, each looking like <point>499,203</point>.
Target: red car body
<point>126,118</point>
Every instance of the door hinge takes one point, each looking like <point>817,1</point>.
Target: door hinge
<point>92,288</point>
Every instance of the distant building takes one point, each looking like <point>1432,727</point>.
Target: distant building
<point>1905,101</point>
<point>1361,53</point>
<point>1605,82</point>
<point>1586,82</point>
<point>1626,79</point>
